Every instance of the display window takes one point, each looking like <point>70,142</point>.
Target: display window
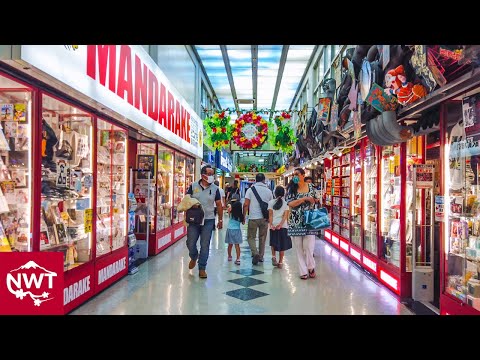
<point>164,187</point>
<point>341,196</point>
<point>356,191</point>
<point>111,227</point>
<point>145,180</point>
<point>15,166</point>
<point>178,186</point>
<point>391,192</point>
<point>370,199</point>
<point>67,181</point>
<point>462,207</point>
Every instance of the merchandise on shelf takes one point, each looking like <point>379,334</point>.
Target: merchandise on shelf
<point>67,182</point>
<point>371,199</point>
<point>164,187</point>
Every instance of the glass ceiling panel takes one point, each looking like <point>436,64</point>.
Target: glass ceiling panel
<point>240,57</point>
<point>212,60</point>
<point>297,60</point>
<point>268,64</point>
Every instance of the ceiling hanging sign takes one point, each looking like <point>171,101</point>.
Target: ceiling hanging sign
<point>122,78</point>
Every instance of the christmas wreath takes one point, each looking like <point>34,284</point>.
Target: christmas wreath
<point>283,137</point>
<point>218,130</point>
<point>250,131</point>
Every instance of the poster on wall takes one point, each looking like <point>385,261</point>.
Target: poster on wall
<point>146,163</point>
<point>324,105</point>
<point>439,208</point>
<point>469,112</point>
<point>424,175</point>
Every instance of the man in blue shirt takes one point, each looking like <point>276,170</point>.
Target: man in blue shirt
<point>207,193</point>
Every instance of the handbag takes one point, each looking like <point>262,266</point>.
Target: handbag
<point>316,218</point>
<point>195,215</point>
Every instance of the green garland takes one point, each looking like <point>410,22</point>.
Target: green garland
<point>218,130</point>
<point>283,137</point>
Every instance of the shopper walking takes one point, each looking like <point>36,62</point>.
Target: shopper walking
<point>301,196</point>
<point>207,193</point>
<point>278,223</point>
<point>234,232</point>
<point>234,192</point>
<point>257,221</point>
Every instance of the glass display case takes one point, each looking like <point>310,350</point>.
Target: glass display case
<point>164,187</point>
<point>67,181</point>
<point>189,172</point>
<point>391,193</point>
<point>146,164</point>
<point>356,191</point>
<point>178,185</point>
<point>462,203</point>
<point>341,196</point>
<point>370,198</point>
<point>15,166</point>
<point>111,226</point>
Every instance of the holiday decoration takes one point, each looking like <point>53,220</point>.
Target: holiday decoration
<point>250,131</point>
<point>283,137</point>
<point>218,130</point>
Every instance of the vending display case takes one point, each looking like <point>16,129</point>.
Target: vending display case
<point>16,167</point>
<point>146,164</point>
<point>370,165</point>
<point>67,181</point>
<point>178,185</point>
<point>111,225</point>
<point>164,187</point>
<point>356,198</point>
<point>462,231</point>
<point>391,192</point>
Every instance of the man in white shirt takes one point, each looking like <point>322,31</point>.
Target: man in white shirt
<point>256,218</point>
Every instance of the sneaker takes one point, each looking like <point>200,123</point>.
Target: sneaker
<point>202,274</point>
<point>255,259</point>
<point>192,264</point>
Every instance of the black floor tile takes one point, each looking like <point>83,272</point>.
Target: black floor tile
<point>246,294</point>
<point>247,281</point>
<point>247,272</point>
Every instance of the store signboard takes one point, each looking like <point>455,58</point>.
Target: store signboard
<point>125,79</point>
<point>225,161</point>
<point>424,176</point>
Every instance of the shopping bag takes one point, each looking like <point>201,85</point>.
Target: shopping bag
<point>317,218</point>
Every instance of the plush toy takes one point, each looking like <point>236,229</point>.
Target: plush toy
<point>396,84</point>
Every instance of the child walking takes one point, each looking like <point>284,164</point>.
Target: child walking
<point>278,216</point>
<point>234,232</point>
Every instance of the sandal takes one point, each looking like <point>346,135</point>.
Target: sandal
<point>304,277</point>
<point>279,265</point>
<point>311,273</point>
<point>274,261</point>
<point>237,262</point>
<point>229,258</point>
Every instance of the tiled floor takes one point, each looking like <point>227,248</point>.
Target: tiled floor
<point>165,285</point>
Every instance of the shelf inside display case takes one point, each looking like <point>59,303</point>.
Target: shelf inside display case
<point>67,181</point>
<point>164,187</point>
<point>370,195</point>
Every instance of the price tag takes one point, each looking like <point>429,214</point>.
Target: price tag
<point>87,220</point>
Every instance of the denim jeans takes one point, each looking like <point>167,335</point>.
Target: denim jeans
<point>205,234</point>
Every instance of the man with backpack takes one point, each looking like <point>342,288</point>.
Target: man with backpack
<point>256,204</point>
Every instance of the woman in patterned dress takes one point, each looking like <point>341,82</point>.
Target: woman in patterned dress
<point>301,196</point>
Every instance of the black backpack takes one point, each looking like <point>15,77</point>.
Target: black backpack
<point>194,215</point>
<point>263,204</point>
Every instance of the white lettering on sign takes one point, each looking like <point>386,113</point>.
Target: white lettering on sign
<point>127,80</point>
<point>164,240</point>
<point>76,290</point>
<point>111,270</point>
<point>390,280</point>
<point>369,263</point>
<point>179,232</point>
<point>355,253</point>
